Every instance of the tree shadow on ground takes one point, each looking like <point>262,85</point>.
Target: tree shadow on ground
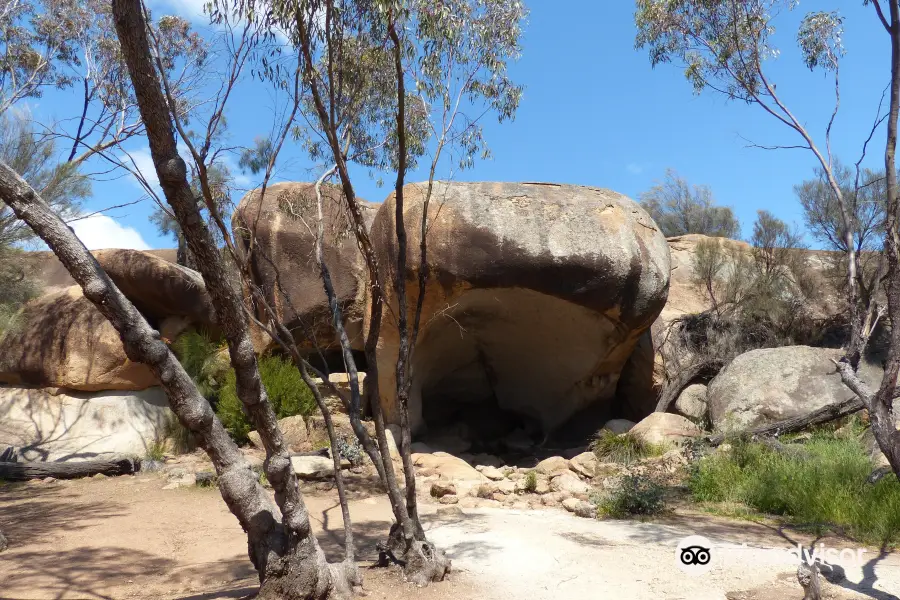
<point>37,511</point>
<point>80,573</point>
<point>329,527</point>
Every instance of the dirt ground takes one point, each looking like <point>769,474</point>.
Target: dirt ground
<point>126,537</point>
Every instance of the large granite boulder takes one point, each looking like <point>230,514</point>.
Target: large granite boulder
<point>160,289</point>
<point>276,231</point>
<point>42,425</point>
<point>537,295</point>
<point>62,340</point>
<point>765,386</point>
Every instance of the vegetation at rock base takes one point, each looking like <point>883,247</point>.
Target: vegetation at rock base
<point>625,448</point>
<point>820,485</point>
<point>634,495</point>
<point>530,482</point>
<point>288,394</point>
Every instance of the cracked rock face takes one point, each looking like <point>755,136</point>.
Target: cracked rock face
<point>536,296</point>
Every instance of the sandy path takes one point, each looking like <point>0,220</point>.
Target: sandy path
<point>549,554</point>
<point>128,538</point>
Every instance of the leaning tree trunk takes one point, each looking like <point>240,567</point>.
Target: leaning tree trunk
<point>301,571</point>
<point>238,484</point>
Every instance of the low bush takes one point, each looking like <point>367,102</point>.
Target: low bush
<point>287,391</point>
<point>634,496</point>
<point>530,482</point>
<point>625,448</point>
<point>820,484</point>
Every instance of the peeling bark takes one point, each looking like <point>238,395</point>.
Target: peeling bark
<point>301,570</point>
<point>238,484</point>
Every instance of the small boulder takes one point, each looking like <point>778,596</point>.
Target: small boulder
<point>618,426</point>
<point>585,464</point>
<point>442,488</point>
<point>504,486</point>
<point>449,466</point>
<point>691,403</point>
<point>449,512</point>
<point>582,508</point>
<point>449,499</point>
<point>312,467</point>
<point>552,466</point>
<point>665,428</point>
<point>569,482</point>
<point>492,473</point>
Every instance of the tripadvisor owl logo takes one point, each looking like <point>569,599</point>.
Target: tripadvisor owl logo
<point>695,555</point>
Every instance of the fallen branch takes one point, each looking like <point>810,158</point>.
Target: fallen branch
<point>823,415</point>
<point>113,464</point>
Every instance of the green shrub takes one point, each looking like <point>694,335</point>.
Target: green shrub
<point>820,484</point>
<point>156,451</point>
<point>625,448</point>
<point>287,391</point>
<point>530,482</point>
<point>193,349</point>
<point>634,496</point>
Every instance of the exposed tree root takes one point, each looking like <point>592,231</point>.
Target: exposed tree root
<point>422,561</point>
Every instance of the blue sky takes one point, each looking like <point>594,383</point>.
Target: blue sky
<point>595,113</point>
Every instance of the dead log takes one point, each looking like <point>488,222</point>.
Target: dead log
<point>111,464</point>
<point>823,415</point>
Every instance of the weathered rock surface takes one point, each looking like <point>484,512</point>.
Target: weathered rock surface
<point>772,384</point>
<point>74,425</point>
<point>665,428</point>
<point>691,403</point>
<point>585,464</point>
<point>158,288</point>
<point>296,434</point>
<point>581,508</point>
<point>448,465</point>
<point>552,466</point>
<point>62,340</point>
<point>313,467</point>
<point>569,482</point>
<point>537,296</point>
<point>284,244</point>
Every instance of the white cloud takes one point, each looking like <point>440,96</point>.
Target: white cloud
<point>634,168</point>
<point>189,9</point>
<point>99,232</point>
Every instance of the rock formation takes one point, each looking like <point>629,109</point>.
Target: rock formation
<point>765,386</point>
<point>78,425</point>
<point>537,295</point>
<point>276,231</point>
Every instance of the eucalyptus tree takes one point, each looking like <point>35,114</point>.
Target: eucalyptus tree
<point>725,47</point>
<point>680,208</point>
<point>387,85</point>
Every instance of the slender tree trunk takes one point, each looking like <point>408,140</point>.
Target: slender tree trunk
<point>404,353</point>
<point>881,408</point>
<point>302,571</point>
<point>238,484</point>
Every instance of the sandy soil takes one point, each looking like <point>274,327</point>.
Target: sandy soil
<point>128,538</point>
